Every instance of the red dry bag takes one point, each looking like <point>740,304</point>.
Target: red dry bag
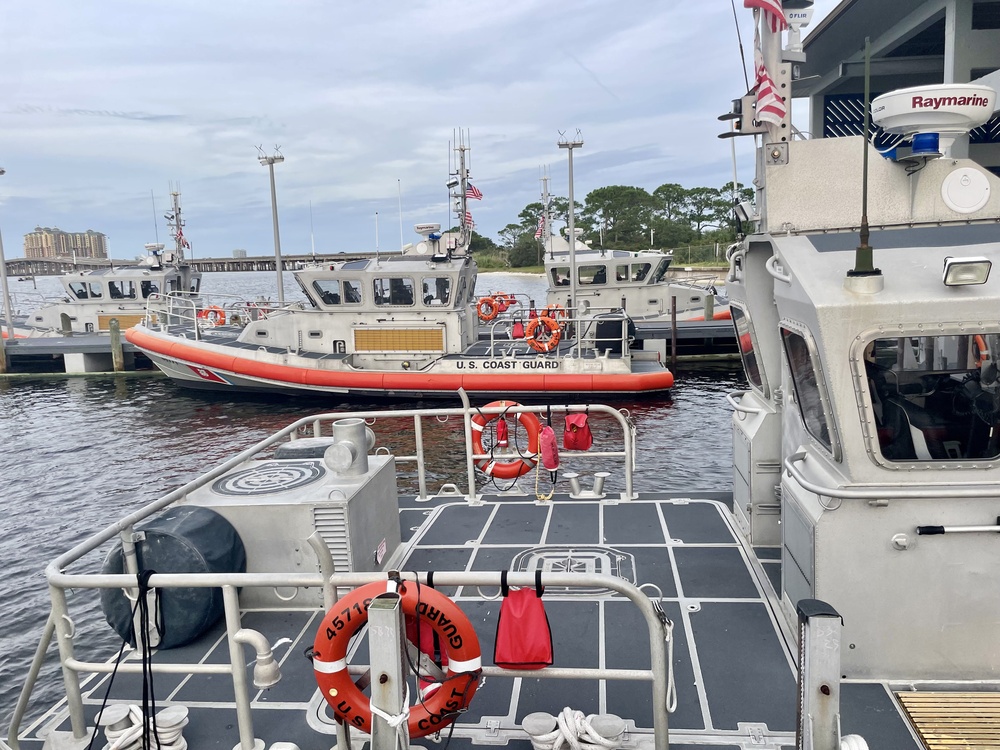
<point>577,435</point>
<point>524,640</point>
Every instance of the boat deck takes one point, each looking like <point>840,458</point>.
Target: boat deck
<point>733,663</point>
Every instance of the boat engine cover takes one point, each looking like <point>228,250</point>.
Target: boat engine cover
<point>185,539</point>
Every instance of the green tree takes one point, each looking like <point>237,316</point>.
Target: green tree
<point>671,202</point>
<point>525,252</point>
<point>705,205</point>
<point>510,234</point>
<point>621,213</point>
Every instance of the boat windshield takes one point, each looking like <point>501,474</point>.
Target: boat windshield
<point>393,290</point>
<point>121,289</point>
<point>437,290</point>
<point>592,274</point>
<point>806,382</point>
<point>744,335</point>
<point>935,398</point>
<point>661,269</point>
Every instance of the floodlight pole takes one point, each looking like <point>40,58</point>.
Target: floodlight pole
<point>8,310</point>
<point>269,162</point>
<point>569,146</point>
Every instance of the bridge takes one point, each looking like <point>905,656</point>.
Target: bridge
<point>57,266</point>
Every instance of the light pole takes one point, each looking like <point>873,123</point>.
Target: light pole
<point>6,303</point>
<point>569,145</point>
<point>269,162</point>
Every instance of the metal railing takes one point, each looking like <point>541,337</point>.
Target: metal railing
<point>61,624</point>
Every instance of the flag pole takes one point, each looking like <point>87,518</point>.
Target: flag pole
<point>399,194</point>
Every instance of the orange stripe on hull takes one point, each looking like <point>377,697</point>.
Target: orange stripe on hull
<point>721,315</point>
<point>404,381</point>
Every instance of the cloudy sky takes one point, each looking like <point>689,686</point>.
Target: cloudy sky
<point>104,102</point>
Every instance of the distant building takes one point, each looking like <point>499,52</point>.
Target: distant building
<point>239,253</point>
<point>46,242</point>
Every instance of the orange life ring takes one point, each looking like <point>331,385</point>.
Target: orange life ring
<point>520,465</point>
<point>488,308</point>
<point>454,631</point>
<point>543,334</point>
<point>214,315</point>
<point>554,312</point>
<point>979,343</point>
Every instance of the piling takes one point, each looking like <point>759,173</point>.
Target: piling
<point>673,333</point>
<point>117,356</point>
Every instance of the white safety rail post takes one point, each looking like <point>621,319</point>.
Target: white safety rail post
<point>819,676</point>
<point>385,643</point>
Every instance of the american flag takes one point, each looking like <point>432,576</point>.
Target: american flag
<point>473,193</point>
<point>182,239</point>
<point>770,106</point>
<point>468,220</point>
<point>772,12</point>
<point>541,227</point>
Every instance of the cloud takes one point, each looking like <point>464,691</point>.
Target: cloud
<point>106,102</point>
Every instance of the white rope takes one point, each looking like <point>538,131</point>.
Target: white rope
<point>668,627</point>
<point>395,721</point>
<point>167,736</point>
<point>574,729</point>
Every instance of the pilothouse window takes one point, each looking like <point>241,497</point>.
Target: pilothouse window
<point>935,398</point>
<point>744,335</point>
<point>807,387</point>
<point>121,289</point>
<point>328,290</point>
<point>436,290</point>
<point>393,291</point>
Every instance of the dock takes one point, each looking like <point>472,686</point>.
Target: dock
<point>71,355</point>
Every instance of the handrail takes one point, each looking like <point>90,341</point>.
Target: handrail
<point>771,266</point>
<point>59,579</point>
<point>658,674</point>
<point>467,412</point>
<point>738,405</point>
<point>880,491</point>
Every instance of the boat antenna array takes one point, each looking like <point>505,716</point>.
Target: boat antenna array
<point>863,254</point>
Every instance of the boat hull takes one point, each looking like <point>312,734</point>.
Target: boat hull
<point>214,367</point>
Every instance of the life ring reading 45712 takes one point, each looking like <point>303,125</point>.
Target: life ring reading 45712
<point>433,609</point>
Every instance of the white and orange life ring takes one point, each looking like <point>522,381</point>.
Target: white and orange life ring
<point>517,466</point>
<point>543,334</point>
<point>488,308</point>
<point>980,351</point>
<point>214,315</point>
<point>455,634</point>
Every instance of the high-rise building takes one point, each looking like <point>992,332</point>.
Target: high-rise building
<point>46,242</point>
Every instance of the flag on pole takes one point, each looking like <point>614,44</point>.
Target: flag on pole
<point>468,220</point>
<point>770,106</point>
<point>541,227</point>
<point>473,193</point>
<point>773,13</point>
<point>182,239</point>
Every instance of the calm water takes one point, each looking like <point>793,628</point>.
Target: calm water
<point>79,453</point>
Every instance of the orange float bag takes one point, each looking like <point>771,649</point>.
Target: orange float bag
<point>524,639</point>
<point>577,435</point>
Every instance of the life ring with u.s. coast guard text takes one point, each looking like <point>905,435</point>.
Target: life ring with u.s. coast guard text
<point>432,608</point>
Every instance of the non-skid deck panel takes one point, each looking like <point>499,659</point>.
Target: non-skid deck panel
<point>731,665</point>
<point>868,709</point>
<point>718,601</point>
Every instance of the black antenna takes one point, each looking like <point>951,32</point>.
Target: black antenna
<point>739,38</point>
<point>863,255</point>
